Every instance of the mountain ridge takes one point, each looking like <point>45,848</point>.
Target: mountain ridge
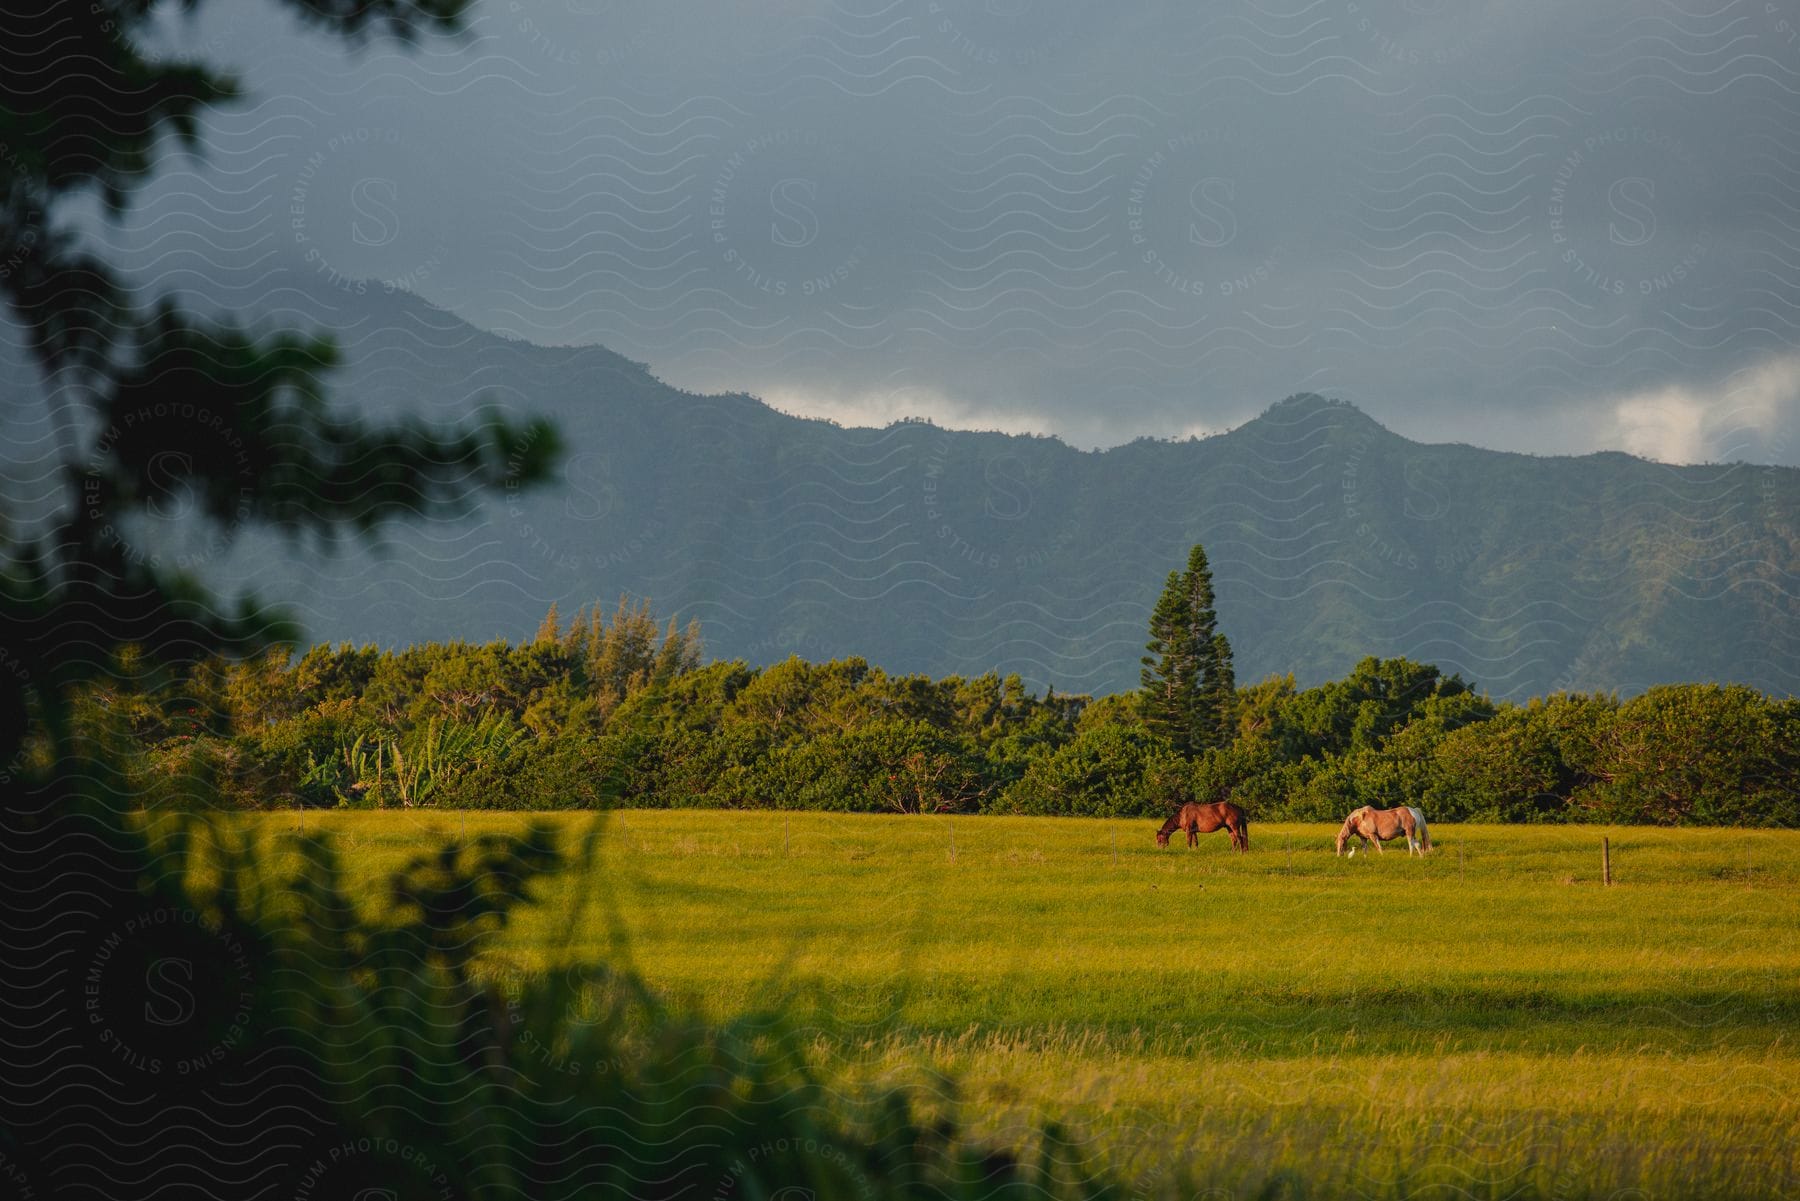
<point>333,313</point>
<point>928,548</point>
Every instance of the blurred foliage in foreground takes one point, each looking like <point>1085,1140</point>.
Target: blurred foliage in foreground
<point>262,1033</point>
<point>618,710</point>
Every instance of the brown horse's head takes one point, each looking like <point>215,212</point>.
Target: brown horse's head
<point>1348,832</point>
<point>1168,828</point>
<point>1162,838</point>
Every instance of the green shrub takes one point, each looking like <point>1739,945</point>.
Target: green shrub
<point>1104,771</point>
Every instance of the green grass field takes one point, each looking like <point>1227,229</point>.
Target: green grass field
<point>1489,1021</point>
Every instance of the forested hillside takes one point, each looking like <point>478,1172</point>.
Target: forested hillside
<point>938,551</point>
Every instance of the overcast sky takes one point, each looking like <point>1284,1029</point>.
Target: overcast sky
<point>1526,225</point>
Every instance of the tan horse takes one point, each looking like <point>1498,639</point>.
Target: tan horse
<point>1382,824</point>
<point>1198,819</point>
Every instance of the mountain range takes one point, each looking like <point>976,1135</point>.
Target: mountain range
<point>928,549</point>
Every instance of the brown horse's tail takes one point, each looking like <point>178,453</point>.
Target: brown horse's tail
<point>1243,822</point>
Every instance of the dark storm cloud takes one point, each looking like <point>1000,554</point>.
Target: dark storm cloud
<point>1511,224</point>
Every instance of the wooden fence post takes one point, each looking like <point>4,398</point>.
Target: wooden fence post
<point>1606,861</point>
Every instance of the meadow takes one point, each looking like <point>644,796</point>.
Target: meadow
<point>1488,1021</point>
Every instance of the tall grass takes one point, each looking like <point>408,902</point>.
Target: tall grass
<point>361,1042</point>
<point>1489,1021</point>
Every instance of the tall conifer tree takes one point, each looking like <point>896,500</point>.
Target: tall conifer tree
<point>1168,670</point>
<point>1188,681</point>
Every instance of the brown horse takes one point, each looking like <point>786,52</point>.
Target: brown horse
<point>1383,824</point>
<point>1198,819</point>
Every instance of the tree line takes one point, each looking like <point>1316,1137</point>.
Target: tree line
<point>616,709</point>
